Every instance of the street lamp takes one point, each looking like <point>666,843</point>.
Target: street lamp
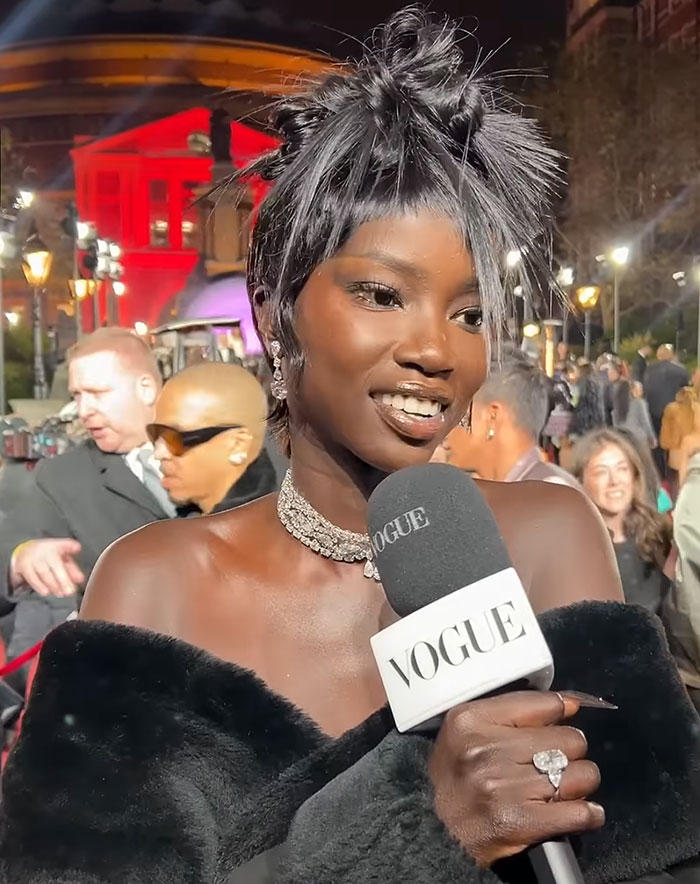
<point>110,269</point>
<point>587,299</point>
<point>81,289</point>
<point>36,264</point>
<point>619,258</point>
<point>565,278</point>
<point>7,250</point>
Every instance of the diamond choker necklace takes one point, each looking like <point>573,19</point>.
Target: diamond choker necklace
<point>315,531</point>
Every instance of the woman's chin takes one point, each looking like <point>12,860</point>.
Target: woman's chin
<point>388,456</point>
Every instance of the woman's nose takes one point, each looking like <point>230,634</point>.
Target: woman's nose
<point>426,345</point>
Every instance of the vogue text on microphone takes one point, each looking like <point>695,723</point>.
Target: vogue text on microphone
<point>403,525</point>
<point>461,646</point>
<point>482,634</point>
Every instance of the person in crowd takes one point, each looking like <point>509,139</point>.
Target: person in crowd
<point>662,381</point>
<point>208,435</point>
<point>375,272</point>
<point>630,411</point>
<point>682,610</point>
<point>681,418</point>
<point>609,369</point>
<point>507,417</point>
<point>658,498</point>
<point>83,500</point>
<point>610,470</point>
<point>638,368</point>
<point>695,382</point>
<point>589,406</point>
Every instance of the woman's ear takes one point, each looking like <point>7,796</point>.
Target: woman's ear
<point>263,319</point>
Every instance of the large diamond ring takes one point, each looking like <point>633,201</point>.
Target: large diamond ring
<point>552,762</point>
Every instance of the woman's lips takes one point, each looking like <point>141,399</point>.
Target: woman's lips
<point>411,426</point>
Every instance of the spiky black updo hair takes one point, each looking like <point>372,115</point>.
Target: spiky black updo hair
<point>409,127</point>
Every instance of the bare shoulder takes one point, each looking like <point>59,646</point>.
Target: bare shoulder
<point>144,578</point>
<point>557,541</point>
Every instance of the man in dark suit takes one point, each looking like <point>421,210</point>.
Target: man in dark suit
<point>638,368</point>
<point>661,383</point>
<point>82,501</point>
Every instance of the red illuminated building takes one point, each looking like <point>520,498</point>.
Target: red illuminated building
<point>110,90</point>
<point>139,188</point>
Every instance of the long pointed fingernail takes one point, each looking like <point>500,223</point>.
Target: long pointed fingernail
<point>588,700</point>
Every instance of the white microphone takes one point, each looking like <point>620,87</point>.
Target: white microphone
<point>468,628</point>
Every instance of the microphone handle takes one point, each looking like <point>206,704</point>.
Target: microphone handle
<point>553,862</point>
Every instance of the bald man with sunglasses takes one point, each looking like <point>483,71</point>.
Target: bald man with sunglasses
<point>208,437</point>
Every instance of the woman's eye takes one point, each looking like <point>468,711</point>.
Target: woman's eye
<point>472,318</point>
<point>377,295</point>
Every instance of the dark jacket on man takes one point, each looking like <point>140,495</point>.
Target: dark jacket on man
<point>638,367</point>
<point>84,494</point>
<point>258,480</point>
<point>661,383</point>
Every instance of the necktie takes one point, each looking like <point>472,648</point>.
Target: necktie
<point>151,481</point>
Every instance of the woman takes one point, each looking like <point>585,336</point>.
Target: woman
<point>610,470</point>
<point>376,274</point>
<point>589,405</point>
<point>630,411</point>
<point>681,418</point>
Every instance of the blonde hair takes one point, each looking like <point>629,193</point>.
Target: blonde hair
<point>133,353</point>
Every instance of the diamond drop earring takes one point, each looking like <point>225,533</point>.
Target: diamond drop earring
<point>237,458</point>
<point>278,388</point>
<point>466,422</point>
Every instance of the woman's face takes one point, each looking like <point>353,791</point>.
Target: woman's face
<point>390,331</point>
<point>609,479</point>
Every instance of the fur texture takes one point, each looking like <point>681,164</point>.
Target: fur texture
<point>144,760</point>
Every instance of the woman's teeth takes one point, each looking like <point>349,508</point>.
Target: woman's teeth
<point>412,404</point>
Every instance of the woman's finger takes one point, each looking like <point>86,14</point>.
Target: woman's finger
<point>524,743</point>
<point>581,779</point>
<point>518,709</point>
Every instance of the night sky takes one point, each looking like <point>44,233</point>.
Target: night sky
<point>522,22</point>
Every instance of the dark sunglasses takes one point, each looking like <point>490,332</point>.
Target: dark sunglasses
<point>180,441</point>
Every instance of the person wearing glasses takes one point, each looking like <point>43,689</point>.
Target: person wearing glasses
<point>208,438</point>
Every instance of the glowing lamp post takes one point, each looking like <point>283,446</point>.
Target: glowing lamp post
<point>7,250</point>
<point>587,299</point>
<point>81,289</point>
<point>36,264</point>
<point>619,258</point>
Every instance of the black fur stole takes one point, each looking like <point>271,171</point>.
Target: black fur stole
<point>144,760</point>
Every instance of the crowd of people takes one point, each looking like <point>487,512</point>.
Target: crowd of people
<point>212,711</point>
<point>625,436</point>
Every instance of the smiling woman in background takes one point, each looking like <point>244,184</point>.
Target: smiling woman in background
<point>608,466</point>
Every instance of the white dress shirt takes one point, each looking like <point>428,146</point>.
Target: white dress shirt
<point>136,466</point>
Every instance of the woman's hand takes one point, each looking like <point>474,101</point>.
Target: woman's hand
<point>487,790</point>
